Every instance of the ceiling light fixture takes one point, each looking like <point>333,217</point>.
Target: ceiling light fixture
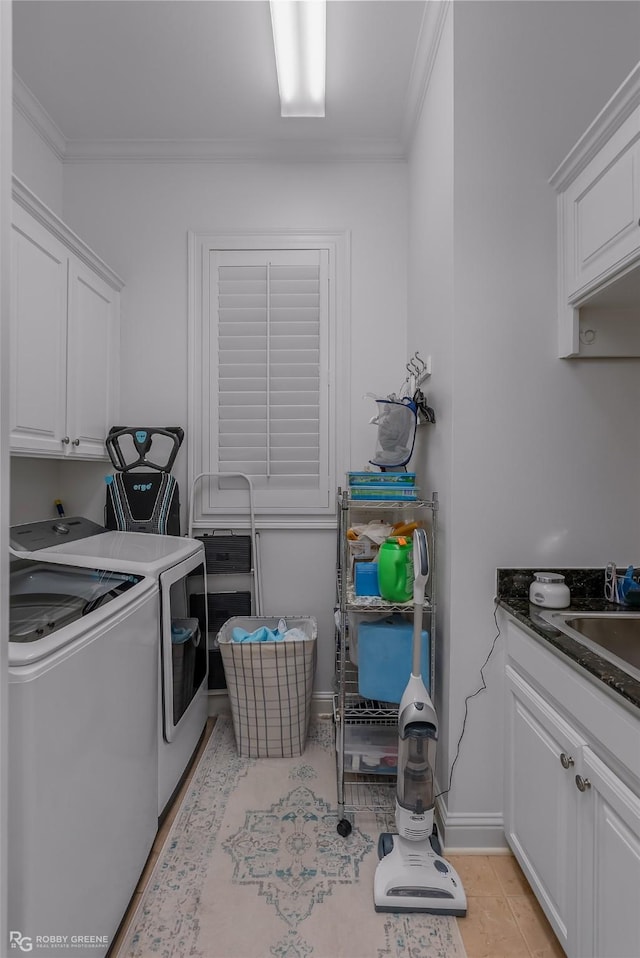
<point>299,38</point>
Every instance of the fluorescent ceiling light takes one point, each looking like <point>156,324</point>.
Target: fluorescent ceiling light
<point>299,38</point>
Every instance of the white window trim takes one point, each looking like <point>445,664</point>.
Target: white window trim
<point>338,244</point>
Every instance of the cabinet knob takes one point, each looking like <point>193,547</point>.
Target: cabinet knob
<point>66,441</point>
<point>566,760</point>
<point>76,442</point>
<point>582,784</point>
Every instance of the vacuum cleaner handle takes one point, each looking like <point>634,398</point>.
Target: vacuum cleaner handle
<point>142,440</point>
<point>420,576</point>
<point>420,564</point>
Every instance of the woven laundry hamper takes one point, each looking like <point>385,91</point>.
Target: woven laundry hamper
<point>270,686</point>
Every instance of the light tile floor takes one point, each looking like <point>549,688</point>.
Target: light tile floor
<point>504,919</point>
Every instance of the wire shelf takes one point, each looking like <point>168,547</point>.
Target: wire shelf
<point>360,711</point>
<point>386,505</point>
<point>361,786</point>
<point>368,603</point>
<point>372,793</point>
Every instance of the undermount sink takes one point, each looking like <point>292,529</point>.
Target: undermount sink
<point>613,635</point>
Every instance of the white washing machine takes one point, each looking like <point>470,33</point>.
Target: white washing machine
<point>82,769</point>
<point>177,565</point>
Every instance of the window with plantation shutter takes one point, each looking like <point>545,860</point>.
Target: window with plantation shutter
<point>265,396</point>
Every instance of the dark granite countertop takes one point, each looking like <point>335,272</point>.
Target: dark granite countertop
<point>587,595</point>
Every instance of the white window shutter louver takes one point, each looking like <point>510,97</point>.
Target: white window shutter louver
<point>269,373</point>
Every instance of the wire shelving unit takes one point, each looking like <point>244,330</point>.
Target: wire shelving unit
<point>358,789</point>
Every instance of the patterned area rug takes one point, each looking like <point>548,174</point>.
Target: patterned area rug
<point>254,868</point>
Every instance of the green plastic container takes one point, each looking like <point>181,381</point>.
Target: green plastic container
<point>395,569</point>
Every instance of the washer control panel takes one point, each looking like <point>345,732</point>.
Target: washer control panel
<point>31,536</point>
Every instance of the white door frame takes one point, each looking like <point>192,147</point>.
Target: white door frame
<point>6,123</point>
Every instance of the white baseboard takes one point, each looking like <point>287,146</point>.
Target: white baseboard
<point>219,702</point>
<point>467,852</point>
<point>322,705</point>
<point>472,834</point>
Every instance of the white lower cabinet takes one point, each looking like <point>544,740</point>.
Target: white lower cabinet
<point>608,863</point>
<point>540,815</point>
<point>572,805</point>
<point>65,338</point>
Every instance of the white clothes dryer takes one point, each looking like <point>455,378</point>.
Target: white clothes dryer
<point>177,565</point>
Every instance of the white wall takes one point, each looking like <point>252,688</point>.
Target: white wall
<point>5,276</point>
<point>430,320</point>
<point>543,466</point>
<point>37,483</point>
<point>137,218</point>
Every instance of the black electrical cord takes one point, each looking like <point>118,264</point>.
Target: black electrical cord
<point>482,688</point>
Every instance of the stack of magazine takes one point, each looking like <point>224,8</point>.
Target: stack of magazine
<point>382,485</point>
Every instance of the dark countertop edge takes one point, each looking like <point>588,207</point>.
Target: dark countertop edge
<point>582,582</point>
<point>615,679</point>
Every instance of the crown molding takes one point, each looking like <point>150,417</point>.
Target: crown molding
<point>613,114</point>
<point>23,196</point>
<point>234,150</point>
<point>68,151</point>
<point>35,114</point>
<point>433,21</point>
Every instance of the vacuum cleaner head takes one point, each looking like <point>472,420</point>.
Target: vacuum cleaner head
<point>412,877</point>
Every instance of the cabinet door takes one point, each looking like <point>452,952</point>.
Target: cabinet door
<point>38,338</point>
<point>603,208</point>
<point>609,863</point>
<point>91,361</point>
<point>540,801</point>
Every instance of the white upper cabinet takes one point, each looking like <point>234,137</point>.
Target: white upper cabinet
<point>598,186</point>
<point>92,341</point>
<point>65,338</point>
<point>603,206</point>
<point>38,336</point>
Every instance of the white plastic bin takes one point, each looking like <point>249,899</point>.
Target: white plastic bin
<point>371,749</point>
<point>270,686</point>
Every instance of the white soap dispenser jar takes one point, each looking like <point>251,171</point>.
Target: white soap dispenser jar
<point>549,590</point>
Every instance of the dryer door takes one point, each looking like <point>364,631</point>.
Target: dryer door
<point>184,657</point>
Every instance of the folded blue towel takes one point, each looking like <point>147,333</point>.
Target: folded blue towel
<point>627,584</point>
<point>262,634</point>
<point>183,629</point>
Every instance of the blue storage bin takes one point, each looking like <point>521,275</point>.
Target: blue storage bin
<point>384,658</point>
<point>366,578</point>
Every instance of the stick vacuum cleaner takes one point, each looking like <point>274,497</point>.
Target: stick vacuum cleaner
<point>411,874</point>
